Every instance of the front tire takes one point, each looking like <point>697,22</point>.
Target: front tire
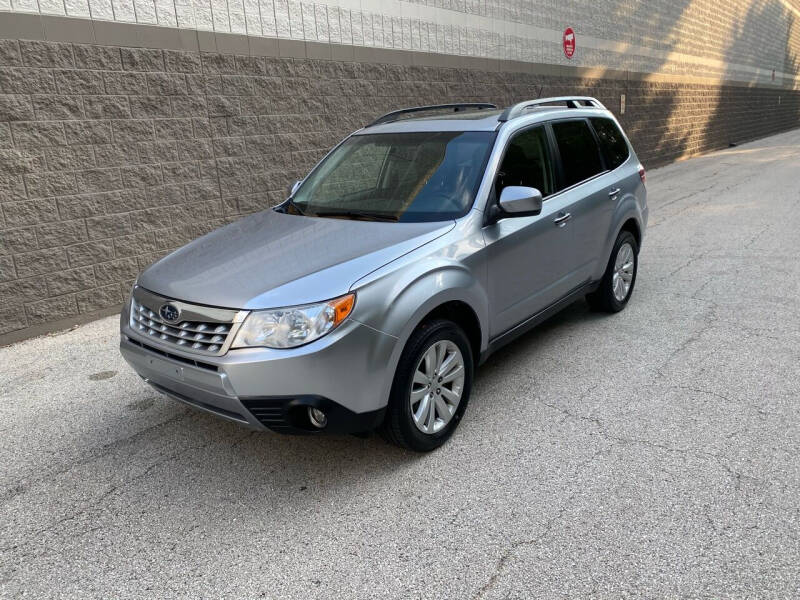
<point>617,284</point>
<point>431,387</point>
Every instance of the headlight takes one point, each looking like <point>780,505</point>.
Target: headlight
<point>293,326</point>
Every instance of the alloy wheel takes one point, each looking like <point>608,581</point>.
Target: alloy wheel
<point>437,386</point>
<point>624,266</point>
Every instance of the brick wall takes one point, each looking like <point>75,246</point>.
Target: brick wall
<point>111,157</point>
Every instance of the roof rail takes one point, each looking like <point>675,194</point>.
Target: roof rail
<point>394,115</point>
<point>571,101</point>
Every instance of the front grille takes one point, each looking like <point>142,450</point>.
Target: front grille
<point>197,329</point>
<point>195,335</point>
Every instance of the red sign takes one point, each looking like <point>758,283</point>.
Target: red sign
<point>569,42</point>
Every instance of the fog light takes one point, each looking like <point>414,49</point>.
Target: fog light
<point>317,417</point>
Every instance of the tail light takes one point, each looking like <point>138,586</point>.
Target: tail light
<point>642,175</point>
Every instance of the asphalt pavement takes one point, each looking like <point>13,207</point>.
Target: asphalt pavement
<point>652,453</point>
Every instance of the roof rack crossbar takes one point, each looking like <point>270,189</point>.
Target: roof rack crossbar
<point>571,101</point>
<point>394,115</point>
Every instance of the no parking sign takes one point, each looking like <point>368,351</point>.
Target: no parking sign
<point>569,42</point>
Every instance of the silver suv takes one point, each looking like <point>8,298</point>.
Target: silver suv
<point>418,246</point>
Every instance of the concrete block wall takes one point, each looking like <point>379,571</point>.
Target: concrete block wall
<point>746,39</point>
<point>114,153</point>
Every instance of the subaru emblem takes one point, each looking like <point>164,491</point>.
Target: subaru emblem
<point>169,312</point>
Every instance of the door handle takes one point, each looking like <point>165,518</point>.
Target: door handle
<point>562,220</point>
<point>613,194</point>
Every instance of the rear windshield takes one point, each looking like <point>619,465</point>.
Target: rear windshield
<point>409,177</point>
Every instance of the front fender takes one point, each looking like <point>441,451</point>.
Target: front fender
<point>397,303</point>
<point>397,297</point>
<point>407,301</point>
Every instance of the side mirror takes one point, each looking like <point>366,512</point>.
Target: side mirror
<point>293,187</point>
<point>519,201</point>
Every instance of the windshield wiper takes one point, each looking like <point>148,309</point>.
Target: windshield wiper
<point>357,214</point>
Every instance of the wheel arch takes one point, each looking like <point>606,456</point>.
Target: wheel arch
<point>399,303</point>
<point>628,218</point>
<point>632,225</point>
<point>463,315</point>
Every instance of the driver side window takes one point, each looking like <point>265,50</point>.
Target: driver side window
<point>527,162</point>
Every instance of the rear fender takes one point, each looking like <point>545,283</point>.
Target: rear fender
<point>629,207</point>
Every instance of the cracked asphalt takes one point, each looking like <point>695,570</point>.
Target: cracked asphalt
<point>653,453</point>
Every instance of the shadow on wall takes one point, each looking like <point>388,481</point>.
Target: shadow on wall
<point>669,121</point>
<point>746,113</point>
<point>649,105</point>
<point>666,120</point>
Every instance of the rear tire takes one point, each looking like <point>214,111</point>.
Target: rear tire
<point>616,286</point>
<point>431,387</point>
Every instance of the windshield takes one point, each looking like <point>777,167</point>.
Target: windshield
<point>408,177</point>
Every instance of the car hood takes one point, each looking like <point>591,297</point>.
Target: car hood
<point>272,259</point>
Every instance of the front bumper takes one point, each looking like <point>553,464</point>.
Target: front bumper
<point>347,374</point>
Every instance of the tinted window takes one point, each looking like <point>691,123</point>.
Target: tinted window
<point>612,144</point>
<point>579,155</point>
<point>398,176</point>
<point>527,162</point>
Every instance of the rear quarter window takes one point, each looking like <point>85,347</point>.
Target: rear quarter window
<point>612,143</point>
<point>580,158</point>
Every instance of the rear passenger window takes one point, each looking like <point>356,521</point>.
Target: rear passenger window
<point>527,163</point>
<point>612,144</point>
<point>580,157</point>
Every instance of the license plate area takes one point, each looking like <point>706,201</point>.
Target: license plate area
<point>162,367</point>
